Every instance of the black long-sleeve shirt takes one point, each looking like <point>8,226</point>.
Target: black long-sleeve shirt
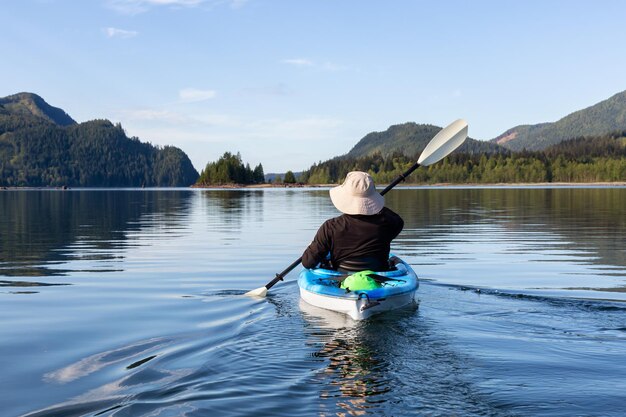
<point>355,239</point>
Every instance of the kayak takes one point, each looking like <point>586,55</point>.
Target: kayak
<point>321,288</point>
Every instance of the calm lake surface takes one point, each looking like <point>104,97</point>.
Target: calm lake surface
<point>130,303</point>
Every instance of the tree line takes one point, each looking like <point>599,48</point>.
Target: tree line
<point>230,169</point>
<point>597,159</point>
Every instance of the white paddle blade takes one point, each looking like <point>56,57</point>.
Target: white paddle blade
<point>444,142</point>
<point>259,292</point>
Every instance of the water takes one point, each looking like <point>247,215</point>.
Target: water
<point>130,303</point>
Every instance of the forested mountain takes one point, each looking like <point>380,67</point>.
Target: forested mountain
<point>382,152</point>
<point>583,159</point>
<point>41,145</point>
<point>409,139</point>
<point>29,104</point>
<point>585,146</point>
<point>600,119</point>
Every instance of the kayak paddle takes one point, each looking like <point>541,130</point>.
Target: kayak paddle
<point>444,142</point>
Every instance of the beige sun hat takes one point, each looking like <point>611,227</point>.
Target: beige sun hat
<point>357,195</point>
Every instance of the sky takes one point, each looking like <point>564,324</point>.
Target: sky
<point>289,83</point>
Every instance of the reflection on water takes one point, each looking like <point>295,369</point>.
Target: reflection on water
<point>234,206</point>
<point>556,238</point>
<point>354,373</point>
<point>130,303</point>
<point>397,363</point>
<point>583,218</point>
<point>48,233</point>
<point>43,232</point>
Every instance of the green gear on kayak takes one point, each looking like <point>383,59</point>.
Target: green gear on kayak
<point>360,281</point>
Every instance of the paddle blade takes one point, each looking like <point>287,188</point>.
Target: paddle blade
<point>259,292</point>
<point>444,142</point>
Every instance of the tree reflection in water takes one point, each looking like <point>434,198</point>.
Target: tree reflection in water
<point>42,231</point>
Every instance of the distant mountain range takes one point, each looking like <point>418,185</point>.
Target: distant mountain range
<point>410,138</point>
<point>600,119</point>
<point>41,145</point>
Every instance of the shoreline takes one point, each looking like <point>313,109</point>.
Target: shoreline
<point>443,184</point>
<point>300,185</point>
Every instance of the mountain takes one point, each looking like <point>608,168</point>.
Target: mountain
<point>29,104</point>
<point>600,119</point>
<point>40,145</point>
<point>410,139</point>
<point>389,153</point>
<point>586,148</point>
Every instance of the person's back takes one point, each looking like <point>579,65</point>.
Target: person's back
<point>360,238</point>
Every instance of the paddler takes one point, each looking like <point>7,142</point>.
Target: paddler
<point>360,238</point>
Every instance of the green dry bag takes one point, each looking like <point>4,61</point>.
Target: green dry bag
<point>360,281</point>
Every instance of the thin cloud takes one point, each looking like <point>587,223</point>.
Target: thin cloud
<point>120,33</point>
<point>172,118</point>
<point>298,62</point>
<point>156,115</point>
<point>305,129</point>
<point>141,6</point>
<point>206,136</point>
<point>190,95</point>
<point>304,62</point>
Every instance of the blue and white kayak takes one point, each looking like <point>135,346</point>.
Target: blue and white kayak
<point>321,288</point>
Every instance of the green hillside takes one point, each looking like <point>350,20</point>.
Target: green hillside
<point>583,159</point>
<point>584,146</point>
<point>600,119</point>
<point>409,139</point>
<point>42,146</point>
<point>29,104</point>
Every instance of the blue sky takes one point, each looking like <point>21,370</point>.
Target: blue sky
<point>289,83</point>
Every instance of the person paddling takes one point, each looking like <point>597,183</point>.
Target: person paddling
<point>444,142</point>
<point>360,238</point>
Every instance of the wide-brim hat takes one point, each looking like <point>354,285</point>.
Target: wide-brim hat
<point>357,195</point>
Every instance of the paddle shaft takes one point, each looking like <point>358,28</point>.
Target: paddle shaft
<point>398,180</point>
<point>279,277</point>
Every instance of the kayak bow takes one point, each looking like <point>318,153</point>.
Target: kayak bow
<point>321,287</point>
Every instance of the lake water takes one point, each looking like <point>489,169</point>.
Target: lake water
<point>130,303</point>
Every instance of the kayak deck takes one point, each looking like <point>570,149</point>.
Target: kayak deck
<point>320,287</point>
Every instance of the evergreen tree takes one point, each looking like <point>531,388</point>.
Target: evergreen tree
<point>289,178</point>
<point>258,175</point>
<point>229,169</point>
